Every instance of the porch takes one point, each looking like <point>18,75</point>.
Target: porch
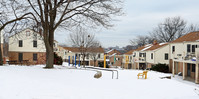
<point>188,68</point>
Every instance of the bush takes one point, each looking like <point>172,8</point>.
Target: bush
<point>160,68</point>
<point>57,59</point>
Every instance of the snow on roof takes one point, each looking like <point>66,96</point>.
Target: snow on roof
<point>109,51</point>
<point>162,43</point>
<point>147,47</point>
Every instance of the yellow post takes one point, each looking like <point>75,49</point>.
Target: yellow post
<point>104,61</point>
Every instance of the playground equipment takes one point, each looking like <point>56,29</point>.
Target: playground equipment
<point>104,69</point>
<point>127,60</point>
<point>143,74</point>
<point>74,60</point>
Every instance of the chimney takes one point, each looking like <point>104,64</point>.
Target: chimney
<point>155,42</point>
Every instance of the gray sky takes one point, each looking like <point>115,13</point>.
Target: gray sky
<point>141,16</point>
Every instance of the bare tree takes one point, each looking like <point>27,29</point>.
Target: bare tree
<point>141,41</point>
<point>51,14</point>
<point>192,28</point>
<point>170,29</point>
<point>10,16</point>
<point>82,40</point>
<point>94,51</point>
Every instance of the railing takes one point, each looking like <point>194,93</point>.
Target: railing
<point>142,59</point>
<point>105,69</point>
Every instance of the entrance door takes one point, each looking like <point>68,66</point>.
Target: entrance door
<point>188,70</point>
<point>20,56</point>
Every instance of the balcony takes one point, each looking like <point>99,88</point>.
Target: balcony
<point>142,59</point>
<point>189,57</point>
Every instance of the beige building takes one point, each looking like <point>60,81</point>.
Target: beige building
<point>184,56</point>
<point>72,52</point>
<point>127,60</point>
<point>151,54</point>
<point>28,46</point>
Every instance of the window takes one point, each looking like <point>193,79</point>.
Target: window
<point>20,43</point>
<point>20,56</point>
<point>151,55</point>
<point>34,43</point>
<point>193,67</point>
<point>166,56</point>
<point>142,54</point>
<point>188,47</point>
<point>98,55</point>
<point>193,48</point>
<point>173,49</point>
<point>34,56</point>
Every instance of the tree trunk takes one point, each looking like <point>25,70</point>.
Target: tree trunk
<point>1,58</point>
<point>49,48</point>
<point>50,58</point>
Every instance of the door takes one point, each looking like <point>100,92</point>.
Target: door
<point>188,70</point>
<point>20,57</point>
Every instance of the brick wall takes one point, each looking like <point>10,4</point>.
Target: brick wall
<point>41,57</point>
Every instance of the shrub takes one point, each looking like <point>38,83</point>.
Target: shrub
<point>57,59</point>
<point>161,68</point>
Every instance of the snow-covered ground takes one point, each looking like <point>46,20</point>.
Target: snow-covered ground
<point>34,82</point>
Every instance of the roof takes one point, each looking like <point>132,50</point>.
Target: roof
<point>193,36</point>
<point>77,49</point>
<point>154,47</point>
<point>150,47</point>
<point>114,51</point>
<point>129,52</point>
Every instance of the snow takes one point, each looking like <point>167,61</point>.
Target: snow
<point>63,82</point>
<point>147,45</point>
<point>109,51</point>
<point>162,43</point>
<point>147,48</point>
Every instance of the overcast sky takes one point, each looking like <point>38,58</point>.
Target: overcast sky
<point>141,16</point>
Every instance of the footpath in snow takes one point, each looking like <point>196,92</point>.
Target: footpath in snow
<point>34,82</point>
